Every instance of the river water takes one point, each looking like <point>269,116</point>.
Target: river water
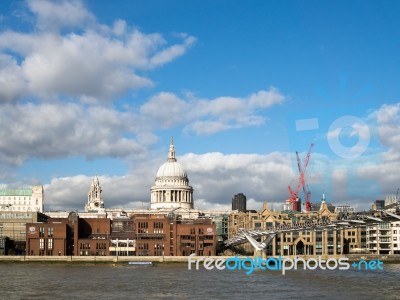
<point>107,281</point>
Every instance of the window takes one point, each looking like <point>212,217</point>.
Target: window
<point>158,227</point>
<point>41,231</point>
<point>192,230</point>
<point>50,244</point>
<point>143,227</point>
<point>41,243</point>
<point>143,249</point>
<point>50,232</point>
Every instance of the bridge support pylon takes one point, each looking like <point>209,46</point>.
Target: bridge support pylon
<point>260,253</point>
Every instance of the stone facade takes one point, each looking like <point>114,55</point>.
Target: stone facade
<point>171,189</point>
<point>316,242</point>
<point>22,200</point>
<point>95,202</point>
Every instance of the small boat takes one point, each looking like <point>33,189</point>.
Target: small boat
<point>140,263</point>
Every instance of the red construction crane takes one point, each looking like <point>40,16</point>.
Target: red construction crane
<point>301,183</point>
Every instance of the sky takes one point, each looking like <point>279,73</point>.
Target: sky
<point>99,88</point>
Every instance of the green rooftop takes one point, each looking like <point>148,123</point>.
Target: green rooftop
<point>16,192</point>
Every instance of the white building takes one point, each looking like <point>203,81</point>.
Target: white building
<point>384,238</point>
<point>345,209</point>
<point>396,237</point>
<point>22,200</point>
<point>171,189</point>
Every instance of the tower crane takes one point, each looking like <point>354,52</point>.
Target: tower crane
<point>301,182</point>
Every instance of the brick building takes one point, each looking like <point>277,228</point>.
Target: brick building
<point>158,235</point>
<point>140,235</point>
<point>69,236</point>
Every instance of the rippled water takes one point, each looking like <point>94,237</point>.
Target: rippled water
<point>69,281</point>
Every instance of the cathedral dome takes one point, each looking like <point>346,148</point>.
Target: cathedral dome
<point>171,188</point>
<point>171,169</point>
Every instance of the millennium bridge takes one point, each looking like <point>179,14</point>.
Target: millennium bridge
<point>347,221</point>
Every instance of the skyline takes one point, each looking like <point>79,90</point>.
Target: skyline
<point>92,89</point>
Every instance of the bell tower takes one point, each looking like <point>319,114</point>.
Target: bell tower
<point>95,197</point>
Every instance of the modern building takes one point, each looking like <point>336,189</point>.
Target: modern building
<point>378,204</point>
<point>384,238</point>
<point>13,229</point>
<point>4,245</point>
<point>221,222</point>
<point>171,189</point>
<point>239,202</point>
<point>289,206</point>
<point>22,199</point>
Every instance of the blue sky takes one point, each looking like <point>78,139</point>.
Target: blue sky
<point>89,87</point>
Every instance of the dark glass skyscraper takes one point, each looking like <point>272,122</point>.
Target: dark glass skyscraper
<point>239,202</point>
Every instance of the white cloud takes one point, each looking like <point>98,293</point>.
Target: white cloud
<point>62,130</point>
<point>55,15</point>
<point>95,61</point>
<point>216,178</point>
<point>172,52</point>
<point>360,130</point>
<point>129,191</point>
<point>208,116</point>
<point>165,109</point>
<point>388,117</point>
<point>12,83</point>
<point>266,98</point>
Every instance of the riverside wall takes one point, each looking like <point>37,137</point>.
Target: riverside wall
<point>177,259</point>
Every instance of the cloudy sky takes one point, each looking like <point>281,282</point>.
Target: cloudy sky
<point>90,87</point>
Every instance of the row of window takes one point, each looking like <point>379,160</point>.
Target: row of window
<point>3,198</point>
<point>17,202</point>
<point>50,231</point>
<point>43,242</point>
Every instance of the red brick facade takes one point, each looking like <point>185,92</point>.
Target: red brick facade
<point>140,235</point>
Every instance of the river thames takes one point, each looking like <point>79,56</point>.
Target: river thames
<point>175,281</point>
